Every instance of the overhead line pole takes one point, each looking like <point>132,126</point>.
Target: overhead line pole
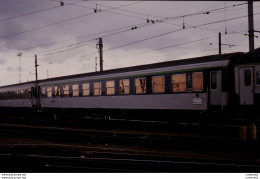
<point>251,26</point>
<point>100,47</point>
<point>36,91</point>
<point>219,43</point>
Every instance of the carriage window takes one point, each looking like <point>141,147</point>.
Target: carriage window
<point>57,91</point>
<point>43,90</point>
<point>29,93</point>
<point>66,91</point>
<point>97,88</point>
<point>26,93</point>
<point>17,94</point>
<point>75,90</point>
<point>158,84</point>
<point>110,87</point>
<point>247,77</point>
<point>179,83</point>
<point>140,86</point>
<point>21,93</point>
<point>197,81</point>
<point>213,80</point>
<point>9,95</point>
<point>124,86</point>
<point>49,91</point>
<point>85,89</point>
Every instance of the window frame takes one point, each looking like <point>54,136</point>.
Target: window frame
<point>84,89</point>
<point>179,74</point>
<point>128,87</point>
<point>67,91</point>
<point>76,94</point>
<point>202,82</point>
<point>49,92</point>
<point>110,88</point>
<point>43,95</point>
<point>57,90</point>
<point>145,89</point>
<point>158,84</point>
<point>213,83</point>
<point>100,88</point>
<point>247,78</point>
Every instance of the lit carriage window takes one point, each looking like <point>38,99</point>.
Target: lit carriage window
<point>140,86</point>
<point>110,87</point>
<point>97,88</point>
<point>158,84</point>
<point>179,83</point>
<point>124,86</point>
<point>247,77</point>
<point>213,80</point>
<point>85,89</point>
<point>21,93</point>
<point>49,91</point>
<point>57,91</point>
<point>66,91</point>
<point>17,94</point>
<point>75,90</point>
<point>197,81</point>
<point>43,90</point>
<point>29,93</point>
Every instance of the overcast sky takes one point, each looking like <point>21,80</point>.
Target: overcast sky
<point>64,38</point>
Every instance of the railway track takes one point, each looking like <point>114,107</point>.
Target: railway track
<point>230,129</point>
<point>113,162</point>
<point>127,137</point>
<point>192,151</point>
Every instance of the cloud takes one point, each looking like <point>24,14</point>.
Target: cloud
<point>2,61</point>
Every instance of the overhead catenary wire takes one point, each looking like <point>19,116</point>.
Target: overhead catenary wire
<point>41,27</point>
<point>84,36</point>
<point>175,45</point>
<point>195,26</point>
<point>44,26</point>
<point>177,31</point>
<point>93,39</point>
<point>38,11</point>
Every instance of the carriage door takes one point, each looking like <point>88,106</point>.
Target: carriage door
<point>246,86</point>
<point>215,87</point>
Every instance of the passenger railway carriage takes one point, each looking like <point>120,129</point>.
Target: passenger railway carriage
<point>217,84</point>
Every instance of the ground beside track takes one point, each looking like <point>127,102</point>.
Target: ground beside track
<point>191,150</point>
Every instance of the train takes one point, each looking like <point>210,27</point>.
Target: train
<point>219,87</point>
